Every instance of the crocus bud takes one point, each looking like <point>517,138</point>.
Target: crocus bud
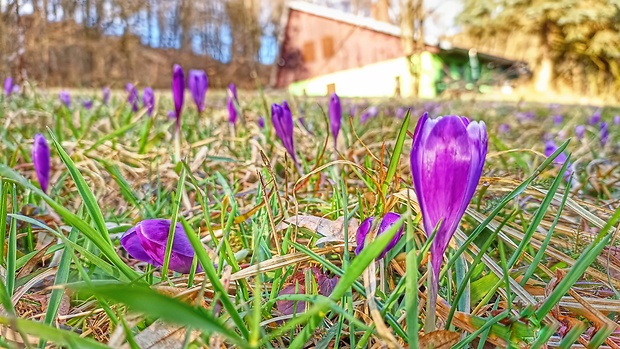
<point>447,157</point>
<point>604,133</point>
<point>146,241</point>
<point>132,96</point>
<point>65,98</point>
<point>231,99</point>
<point>261,122</point>
<point>282,120</point>
<point>388,220</point>
<point>595,119</point>
<point>41,160</point>
<point>106,95</point>
<point>178,91</point>
<point>87,104</point>
<point>550,148</point>
<point>558,119</point>
<point>580,131</point>
<point>8,86</point>
<point>148,100</point>
<point>503,128</point>
<point>198,84</point>
<point>335,116</point>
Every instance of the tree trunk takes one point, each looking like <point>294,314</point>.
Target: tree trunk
<point>543,73</point>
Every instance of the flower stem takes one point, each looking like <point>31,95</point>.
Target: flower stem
<point>177,144</point>
<point>431,301</point>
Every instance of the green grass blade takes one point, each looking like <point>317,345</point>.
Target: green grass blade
<point>12,248</point>
<point>398,149</point>
<point>152,303</point>
<point>176,203</point>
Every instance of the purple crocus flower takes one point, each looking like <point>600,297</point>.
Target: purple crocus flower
<point>41,160</point>
<point>353,110</point>
<point>447,157</point>
<point>282,120</point>
<point>368,114</point>
<point>503,128</point>
<point>231,99</point>
<point>335,116</point>
<point>198,84</point>
<point>148,100</point>
<point>596,118</point>
<point>87,104</point>
<point>525,116</point>
<point>558,119</point>
<point>580,131</point>
<point>388,220</point>
<point>65,98</point>
<point>178,91</point>
<point>146,241</point>
<point>106,95</point>
<point>550,148</point>
<point>617,120</point>
<point>604,130</point>
<point>8,86</point>
<point>261,122</point>
<point>132,96</point>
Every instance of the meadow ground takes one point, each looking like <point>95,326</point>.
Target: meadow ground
<point>535,260</point>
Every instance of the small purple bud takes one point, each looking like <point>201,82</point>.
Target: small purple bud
<point>580,131</point>
<point>65,98</point>
<point>595,119</point>
<point>369,114</point>
<point>604,129</point>
<point>8,86</point>
<point>148,99</point>
<point>388,220</point>
<point>87,104</point>
<point>335,116</point>
<point>147,240</point>
<point>178,91</point>
<point>231,99</point>
<point>503,128</point>
<point>198,84</point>
<point>41,160</point>
<point>558,119</point>
<point>132,96</point>
<point>550,148</point>
<point>261,122</point>
<point>106,95</point>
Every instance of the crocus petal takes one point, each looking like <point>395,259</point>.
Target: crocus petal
<point>580,131</point>
<point>65,98</point>
<point>178,90</point>
<point>8,86</point>
<point>153,235</point>
<point>335,115</point>
<point>41,160</point>
<point>282,120</point>
<point>148,99</point>
<point>387,221</point>
<point>444,149</point>
<point>198,84</point>
<point>106,95</point>
<point>231,99</point>
<point>131,243</point>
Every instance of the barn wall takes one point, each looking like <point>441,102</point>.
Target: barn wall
<point>375,80</point>
<point>315,46</point>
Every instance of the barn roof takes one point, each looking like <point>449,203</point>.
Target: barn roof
<point>344,17</point>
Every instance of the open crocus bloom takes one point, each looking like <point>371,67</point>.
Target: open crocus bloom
<point>146,241</point>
